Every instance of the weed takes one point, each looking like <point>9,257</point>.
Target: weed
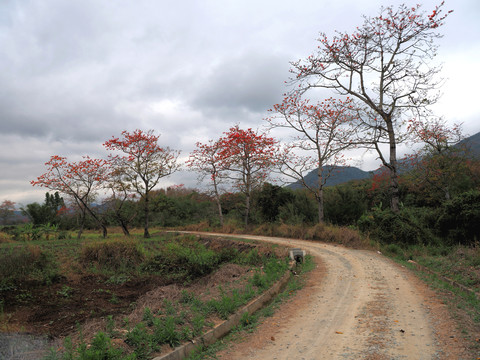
<point>148,316</point>
<point>118,279</point>
<point>198,323</point>
<point>187,297</point>
<point>165,332</point>
<point>66,291</point>
<point>110,326</point>
<point>139,339</point>
<point>186,333</point>
<point>169,307</point>
<point>24,296</point>
<point>248,320</point>
<point>114,299</point>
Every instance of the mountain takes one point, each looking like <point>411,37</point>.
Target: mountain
<point>339,175</point>
<point>343,174</point>
<point>472,143</point>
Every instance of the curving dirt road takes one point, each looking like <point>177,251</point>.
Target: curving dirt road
<point>358,305</point>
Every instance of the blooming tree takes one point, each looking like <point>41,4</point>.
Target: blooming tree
<point>384,65</point>
<point>80,180</point>
<point>323,132</point>
<point>206,160</point>
<point>142,163</point>
<point>247,156</point>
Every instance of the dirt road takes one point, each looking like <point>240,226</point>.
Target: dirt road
<point>357,305</point>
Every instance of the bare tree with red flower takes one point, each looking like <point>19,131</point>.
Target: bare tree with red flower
<point>323,133</point>
<point>384,65</point>
<point>206,160</point>
<point>143,163</point>
<point>247,156</point>
<point>80,180</point>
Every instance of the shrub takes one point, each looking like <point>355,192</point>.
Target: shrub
<point>188,260</point>
<point>165,332</point>
<point>27,263</point>
<point>460,219</point>
<point>406,227</point>
<point>140,340</point>
<point>117,254</point>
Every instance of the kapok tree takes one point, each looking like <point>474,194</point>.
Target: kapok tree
<point>143,163</point>
<point>385,66</point>
<point>120,200</point>
<point>323,133</point>
<point>206,160</point>
<point>442,161</point>
<point>79,180</point>
<point>247,156</point>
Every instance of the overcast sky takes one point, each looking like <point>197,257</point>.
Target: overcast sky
<point>74,73</point>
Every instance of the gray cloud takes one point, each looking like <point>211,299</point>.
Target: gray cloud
<point>74,73</point>
<point>250,81</point>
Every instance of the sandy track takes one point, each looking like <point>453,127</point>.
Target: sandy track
<point>364,307</point>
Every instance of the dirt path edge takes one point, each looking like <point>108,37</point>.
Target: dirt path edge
<point>224,328</point>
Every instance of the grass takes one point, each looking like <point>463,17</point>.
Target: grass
<point>177,321</point>
<point>249,322</point>
<point>119,259</point>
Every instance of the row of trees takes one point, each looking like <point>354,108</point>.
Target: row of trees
<point>380,75</point>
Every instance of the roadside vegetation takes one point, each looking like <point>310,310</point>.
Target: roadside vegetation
<point>129,297</point>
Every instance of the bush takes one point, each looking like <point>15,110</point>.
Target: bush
<point>117,254</point>
<point>189,261</point>
<point>460,219</point>
<point>27,263</point>
<point>407,227</point>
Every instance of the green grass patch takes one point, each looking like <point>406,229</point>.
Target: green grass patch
<point>249,322</point>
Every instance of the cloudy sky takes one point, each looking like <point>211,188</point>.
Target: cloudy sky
<point>74,73</point>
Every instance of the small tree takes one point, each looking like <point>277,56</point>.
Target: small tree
<point>143,163</point>
<point>247,156</point>
<point>206,160</point>
<point>7,211</point>
<point>79,180</point>
<point>323,132</point>
<point>120,201</point>
<point>48,212</point>
<point>384,66</point>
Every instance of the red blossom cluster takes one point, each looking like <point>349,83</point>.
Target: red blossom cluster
<point>76,179</point>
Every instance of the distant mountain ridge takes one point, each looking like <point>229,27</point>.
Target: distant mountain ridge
<point>343,174</point>
<point>472,143</point>
<point>339,175</point>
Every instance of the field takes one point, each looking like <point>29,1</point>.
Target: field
<point>144,295</point>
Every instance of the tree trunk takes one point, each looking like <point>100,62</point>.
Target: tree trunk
<point>319,194</point>
<point>82,224</point>
<point>219,204</point>
<point>146,234</point>
<point>321,212</point>
<point>247,209</point>
<point>104,230</point>
<point>393,166</point>
<point>123,226</point>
